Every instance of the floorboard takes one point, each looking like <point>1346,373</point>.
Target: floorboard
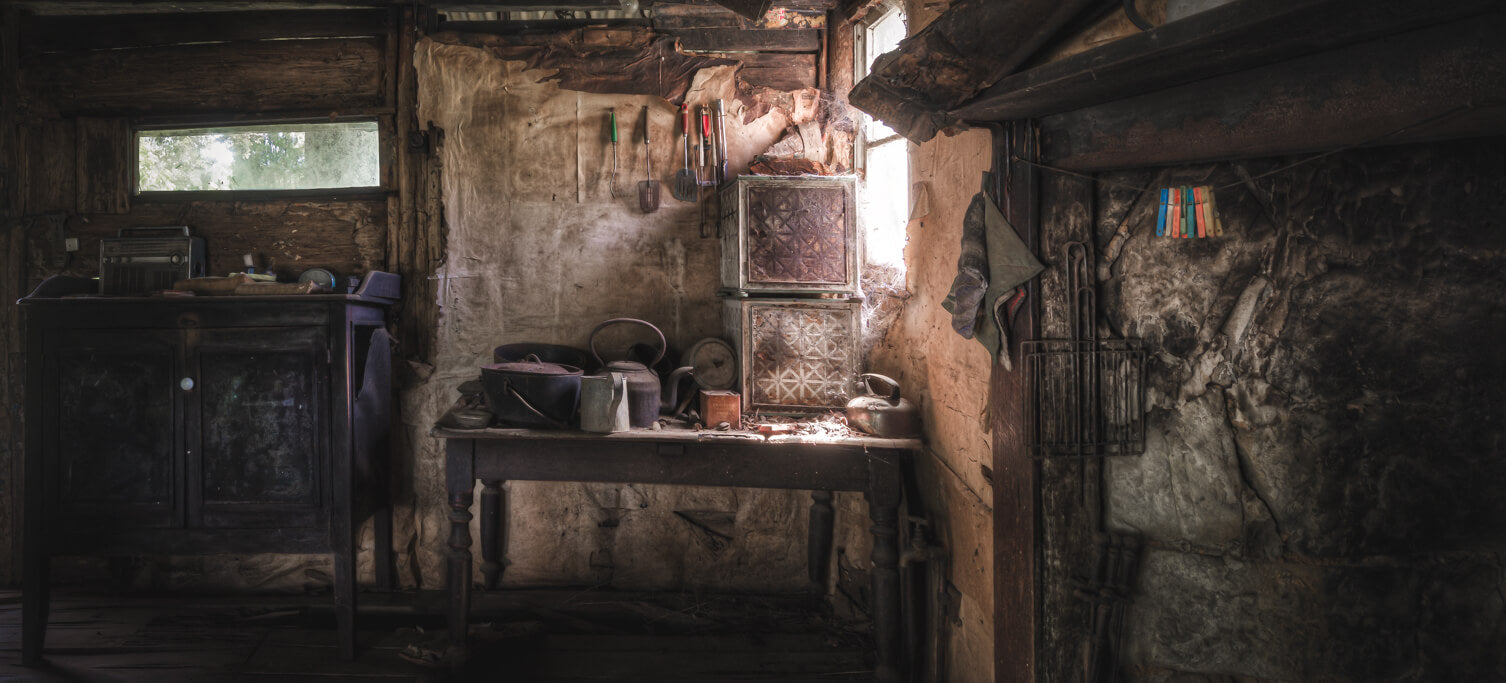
<point>544,636</point>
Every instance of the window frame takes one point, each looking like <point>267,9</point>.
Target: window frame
<point>862,32</point>
<point>385,158</point>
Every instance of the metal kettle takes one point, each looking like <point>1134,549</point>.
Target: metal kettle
<point>887,416</point>
<point>643,390</point>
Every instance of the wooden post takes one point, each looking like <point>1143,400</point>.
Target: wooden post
<point>12,282</point>
<point>1016,611</point>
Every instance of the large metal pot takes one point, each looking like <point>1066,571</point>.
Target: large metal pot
<point>532,393</point>
<point>549,353</point>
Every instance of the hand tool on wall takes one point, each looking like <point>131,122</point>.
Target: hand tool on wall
<point>705,138</point>
<point>685,185</point>
<point>612,122</point>
<point>721,142</point>
<point>648,190</point>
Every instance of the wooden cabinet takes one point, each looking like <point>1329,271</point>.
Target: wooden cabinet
<point>203,426</point>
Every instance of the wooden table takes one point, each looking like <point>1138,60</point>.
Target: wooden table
<point>684,457</point>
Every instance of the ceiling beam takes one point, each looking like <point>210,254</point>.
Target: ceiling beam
<point>1440,82</point>
<point>1236,36</point>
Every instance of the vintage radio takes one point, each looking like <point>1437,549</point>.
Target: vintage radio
<point>140,260</point>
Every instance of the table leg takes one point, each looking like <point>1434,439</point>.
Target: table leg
<point>493,531</point>
<point>34,606</point>
<point>818,559</point>
<point>883,496</point>
<point>461,486</point>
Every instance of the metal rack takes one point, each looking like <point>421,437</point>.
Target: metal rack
<point>1088,394</point>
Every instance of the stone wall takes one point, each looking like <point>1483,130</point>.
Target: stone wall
<point>1320,490</point>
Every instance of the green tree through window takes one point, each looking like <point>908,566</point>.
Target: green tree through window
<point>269,157</point>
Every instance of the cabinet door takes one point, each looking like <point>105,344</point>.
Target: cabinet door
<point>258,420</point>
<point>112,437</point>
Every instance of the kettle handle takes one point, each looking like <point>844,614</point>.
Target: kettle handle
<point>663,345</point>
<point>868,377</point>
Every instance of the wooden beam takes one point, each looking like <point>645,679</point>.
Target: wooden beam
<point>1444,81</point>
<point>333,74</point>
<point>1236,36</point>
<point>1016,567</point>
<point>736,39</point>
<point>12,279</point>
<point>80,33</point>
<point>964,51</point>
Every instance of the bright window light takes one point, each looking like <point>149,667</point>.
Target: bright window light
<point>288,156</point>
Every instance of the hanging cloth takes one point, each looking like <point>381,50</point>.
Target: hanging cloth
<point>993,262</point>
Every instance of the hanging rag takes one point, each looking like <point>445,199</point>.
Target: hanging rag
<point>993,263</point>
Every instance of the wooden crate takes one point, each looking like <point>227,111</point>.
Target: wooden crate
<point>788,235</point>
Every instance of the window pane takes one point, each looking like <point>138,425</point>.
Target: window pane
<point>883,36</point>
<point>886,199</point>
<point>291,156</point>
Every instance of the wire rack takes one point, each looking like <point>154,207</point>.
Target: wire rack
<point>1089,394</point>
<point>1089,397</point>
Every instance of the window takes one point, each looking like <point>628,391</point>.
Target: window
<point>882,153</point>
<point>283,156</point>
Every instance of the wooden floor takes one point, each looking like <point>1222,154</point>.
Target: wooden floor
<point>525,636</point>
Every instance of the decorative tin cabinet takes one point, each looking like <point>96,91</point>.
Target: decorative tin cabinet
<point>797,355</point>
<point>786,235</point>
<point>204,425</point>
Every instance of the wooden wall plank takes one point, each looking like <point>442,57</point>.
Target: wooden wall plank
<point>103,165</point>
<point>345,236</point>
<point>49,34</point>
<point>336,74</point>
<point>47,171</point>
<point>1435,83</point>
<point>778,71</point>
<point>1016,606</point>
<point>1069,496</point>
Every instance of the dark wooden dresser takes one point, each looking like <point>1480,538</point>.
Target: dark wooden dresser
<point>205,425</point>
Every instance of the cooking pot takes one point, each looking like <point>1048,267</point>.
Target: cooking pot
<point>886,415</point>
<point>532,393</point>
<point>549,353</point>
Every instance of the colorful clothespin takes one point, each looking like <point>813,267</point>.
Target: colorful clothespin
<point>1161,215</point>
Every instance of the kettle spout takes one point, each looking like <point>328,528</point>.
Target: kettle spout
<point>672,391</point>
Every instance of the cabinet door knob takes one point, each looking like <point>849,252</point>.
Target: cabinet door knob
<point>186,383</point>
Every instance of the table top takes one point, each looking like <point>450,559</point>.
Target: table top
<point>673,435</point>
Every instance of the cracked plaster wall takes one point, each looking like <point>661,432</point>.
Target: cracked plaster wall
<point>1320,490</point>
<point>539,251</point>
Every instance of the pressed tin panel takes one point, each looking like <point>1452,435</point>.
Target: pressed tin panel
<point>797,356</point>
<point>789,234</point>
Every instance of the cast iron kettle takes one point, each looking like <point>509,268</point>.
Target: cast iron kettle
<point>643,391</point>
<point>888,416</point>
